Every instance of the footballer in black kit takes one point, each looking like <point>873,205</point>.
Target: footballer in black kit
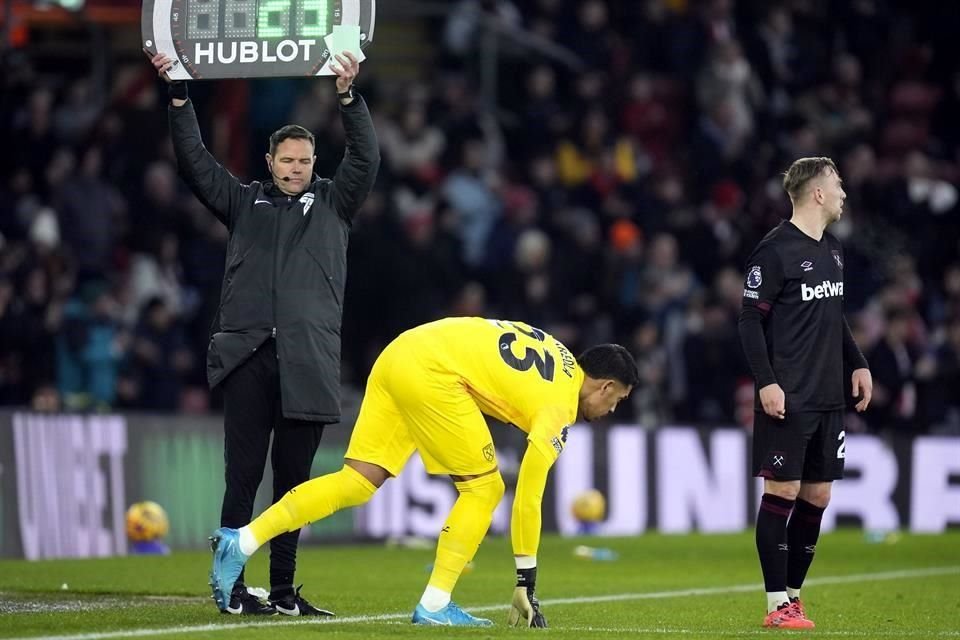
<point>799,347</point>
<point>794,289</point>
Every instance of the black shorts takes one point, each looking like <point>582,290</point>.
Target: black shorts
<point>808,446</point>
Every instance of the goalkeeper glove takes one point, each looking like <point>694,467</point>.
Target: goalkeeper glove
<point>525,608</point>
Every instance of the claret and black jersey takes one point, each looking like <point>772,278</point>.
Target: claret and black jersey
<point>793,302</point>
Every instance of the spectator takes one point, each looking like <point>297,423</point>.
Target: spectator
<point>940,374</point>
<point>469,192</point>
<point>892,364</point>
<point>90,349</point>
<point>91,214</point>
<point>161,357</point>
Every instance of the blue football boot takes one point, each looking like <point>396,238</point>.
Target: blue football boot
<point>228,562</point>
<point>450,616</point>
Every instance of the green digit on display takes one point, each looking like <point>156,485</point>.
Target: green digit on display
<point>273,19</point>
<point>313,19</point>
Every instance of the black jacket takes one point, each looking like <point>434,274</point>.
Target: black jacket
<point>286,262</point>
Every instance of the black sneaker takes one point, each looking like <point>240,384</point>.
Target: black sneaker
<point>242,602</point>
<point>293,604</point>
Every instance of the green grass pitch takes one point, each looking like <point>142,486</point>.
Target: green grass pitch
<point>691,587</point>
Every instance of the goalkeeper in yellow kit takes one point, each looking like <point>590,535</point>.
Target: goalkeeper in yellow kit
<point>428,392</point>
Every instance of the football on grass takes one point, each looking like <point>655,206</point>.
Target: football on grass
<point>146,521</point>
<point>589,506</point>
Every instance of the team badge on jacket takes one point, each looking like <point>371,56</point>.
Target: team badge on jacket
<point>307,201</point>
<point>837,259</point>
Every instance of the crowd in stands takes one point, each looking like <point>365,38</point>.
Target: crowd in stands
<point>614,200</point>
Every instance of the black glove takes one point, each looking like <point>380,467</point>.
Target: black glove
<point>177,89</point>
<point>525,608</point>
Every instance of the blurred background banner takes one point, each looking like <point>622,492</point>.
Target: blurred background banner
<point>66,481</point>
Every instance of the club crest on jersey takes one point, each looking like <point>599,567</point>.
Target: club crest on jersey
<point>754,277</point>
<point>488,453</point>
<point>307,201</point>
<point>806,265</point>
<point>837,259</point>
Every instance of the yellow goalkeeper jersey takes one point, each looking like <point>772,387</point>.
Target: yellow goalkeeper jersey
<point>516,373</point>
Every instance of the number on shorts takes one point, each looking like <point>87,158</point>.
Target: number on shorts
<point>842,449</point>
<point>544,364</point>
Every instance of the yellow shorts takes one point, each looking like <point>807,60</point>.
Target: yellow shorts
<point>412,404</point>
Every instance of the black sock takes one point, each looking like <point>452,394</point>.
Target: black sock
<point>802,534</point>
<point>772,540</point>
<point>278,591</point>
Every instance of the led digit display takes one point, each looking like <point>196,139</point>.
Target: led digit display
<point>251,38</point>
<point>239,19</point>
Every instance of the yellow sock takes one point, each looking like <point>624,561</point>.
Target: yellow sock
<point>465,527</point>
<point>311,501</point>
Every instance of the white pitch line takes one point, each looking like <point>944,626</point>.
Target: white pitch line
<point>617,597</point>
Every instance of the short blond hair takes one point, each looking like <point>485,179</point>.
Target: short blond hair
<point>803,171</point>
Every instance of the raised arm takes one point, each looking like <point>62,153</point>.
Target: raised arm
<point>218,189</point>
<point>357,171</point>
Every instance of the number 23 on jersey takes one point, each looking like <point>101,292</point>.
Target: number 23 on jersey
<point>535,353</point>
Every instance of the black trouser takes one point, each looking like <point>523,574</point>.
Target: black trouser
<point>252,409</point>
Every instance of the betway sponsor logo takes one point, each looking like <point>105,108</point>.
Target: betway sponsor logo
<point>825,290</point>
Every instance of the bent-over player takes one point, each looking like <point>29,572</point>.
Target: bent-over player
<point>428,392</point>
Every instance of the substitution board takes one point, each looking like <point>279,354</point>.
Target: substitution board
<point>211,39</point>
